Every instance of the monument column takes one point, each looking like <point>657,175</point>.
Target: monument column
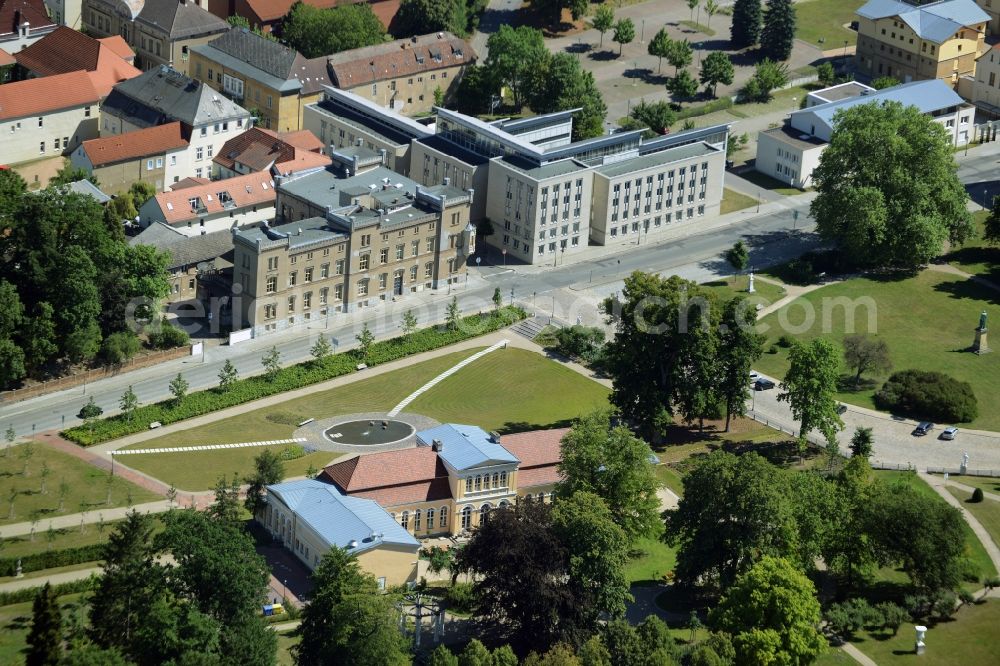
<point>981,346</point>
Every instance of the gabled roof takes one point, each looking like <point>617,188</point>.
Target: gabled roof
<point>936,22</point>
<point>181,18</point>
<point>6,59</point>
<point>539,453</point>
<point>345,522</point>
<point>271,10</point>
<point>65,50</point>
<point>466,446</point>
<point>254,189</point>
<point>403,57</point>
<point>15,12</point>
<point>86,187</point>
<point>36,97</point>
<point>185,250</point>
<point>260,149</point>
<point>388,468</point>
<point>190,181</point>
<point>267,55</point>
<point>118,46</point>
<point>132,145</point>
<point>163,94</point>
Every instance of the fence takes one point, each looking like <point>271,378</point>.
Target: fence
<point>134,363</point>
<point>968,472</point>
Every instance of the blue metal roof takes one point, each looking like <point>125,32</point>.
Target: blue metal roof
<point>340,520</point>
<point>466,446</point>
<point>927,96</point>
<point>935,22</point>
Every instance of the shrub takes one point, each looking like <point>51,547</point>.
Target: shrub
<point>28,593</point>
<point>580,342</point>
<point>892,615</point>
<point>461,597</point>
<point>53,558</point>
<point>944,603</point>
<point>119,347</point>
<point>977,495</point>
<point>167,336</point>
<point>292,452</point>
<point>773,349</point>
<point>931,395</point>
<point>785,341</point>
<point>292,377</point>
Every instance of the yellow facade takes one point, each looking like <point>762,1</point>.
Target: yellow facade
<point>889,47</point>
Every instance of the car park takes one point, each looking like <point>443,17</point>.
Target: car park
<point>923,428</point>
<point>948,433</point>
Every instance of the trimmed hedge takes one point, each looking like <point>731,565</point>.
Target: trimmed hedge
<point>291,378</point>
<point>928,395</point>
<point>50,559</point>
<point>28,593</point>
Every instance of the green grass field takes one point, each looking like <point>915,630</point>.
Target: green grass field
<point>987,483</point>
<point>733,201</point>
<point>986,512</point>
<point>547,395</point>
<point>86,486</point>
<point>764,293</point>
<point>765,182</point>
<point>70,537</point>
<point>671,478</point>
<point>650,560</point>
<point>15,622</point>
<point>977,256</point>
<point>825,19</point>
<point>927,321</point>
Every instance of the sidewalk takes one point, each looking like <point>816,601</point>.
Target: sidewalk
<point>71,520</point>
<point>937,483</point>
<point>53,579</point>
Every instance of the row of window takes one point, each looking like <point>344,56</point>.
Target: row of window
<point>231,85</point>
<point>657,221</point>
<point>486,482</point>
<point>55,145</point>
<point>418,524</point>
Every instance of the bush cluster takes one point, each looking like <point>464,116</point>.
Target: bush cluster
<point>28,593</point>
<point>846,618</point>
<point>461,597</point>
<point>290,378</point>
<point>928,395</point>
<point>583,343</point>
<point>53,558</point>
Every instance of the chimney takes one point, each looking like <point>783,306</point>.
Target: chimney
<point>494,437</point>
<point>382,152</point>
<point>437,445</point>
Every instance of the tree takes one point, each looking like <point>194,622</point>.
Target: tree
<point>321,349</point>
<point>660,46</point>
<point>119,347</point>
<point>454,316</point>
<point>683,85</point>
<point>884,82</point>
<point>679,54</point>
<point>226,507</point>
<point>991,225</point>
<point>422,17</point>
<point>778,35</point>
<point>738,256</point>
<point>827,75</point>
<point>624,33</point>
<point>268,470</point>
<point>179,388</point>
<point>716,68</point>
<point>561,83</point>
<point>768,76</point>
<point>711,9</point>
<point>228,376</point>
<point>866,354</point>
<point>475,654</point>
<point>515,57</point>
<point>809,387</point>
<point>128,403</point>
<point>46,473</point>
<point>740,346</point>
<point>610,462</point>
<point>365,340</point>
<point>315,32</point>
<point>772,613</point>
<point>692,5</point>
<point>604,20</point>
<point>70,174</point>
<point>11,362</point>
<point>718,544</point>
<point>409,322</point>
<point>442,656</point>
<point>45,638</point>
<point>497,299</point>
<point>861,442</point>
<point>657,116</point>
<point>272,363</point>
<point>348,617</point>
<point>746,28</point>
<point>888,190</point>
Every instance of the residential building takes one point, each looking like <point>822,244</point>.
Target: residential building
<point>261,74</point>
<point>164,95</point>
<point>791,152</point>
<point>7,65</point>
<point>405,74</point>
<point>344,120</point>
<point>161,32</point>
<point>350,243</point>
<point>310,517</point>
<point>68,13</point>
<point>266,15</point>
<point>219,205</point>
<point>912,41</point>
<point>983,89</point>
<point>22,23</point>
<point>88,188</point>
<point>259,149</point>
<point>65,50</point>
<point>455,476</point>
<point>155,155</point>
<point>199,266</point>
<point>47,117</point>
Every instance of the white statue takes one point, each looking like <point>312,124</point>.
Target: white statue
<point>921,633</point>
<point>750,289</point>
<point>965,459</point>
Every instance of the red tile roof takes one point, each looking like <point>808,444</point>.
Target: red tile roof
<point>389,468</point>
<point>259,149</point>
<point>410,493</point>
<point>385,11</point>
<point>303,139</point>
<point>403,57</point>
<point>6,58</point>
<point>64,50</point>
<point>191,181</point>
<point>272,10</point>
<point>119,47</point>
<point>132,145</point>
<point>538,476</point>
<point>538,451</point>
<point>250,190</point>
<point>36,97</point>
<point>15,12</point>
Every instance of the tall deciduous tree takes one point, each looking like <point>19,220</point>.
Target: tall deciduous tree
<point>716,68</point>
<point>679,54</point>
<point>809,387</point>
<point>45,637</point>
<point>421,17</point>
<point>739,347</point>
<point>746,28</point>
<point>773,615</point>
<point>683,86</point>
<point>711,9</point>
<point>778,35</point>
<point>316,32</point>
<point>863,353</point>
<point>659,46</point>
<point>563,84</point>
<point>624,33</point>
<point>657,116</point>
<point>347,616</point>
<point>515,55</point>
<point>610,462</point>
<point>889,193</point>
<point>268,470</point>
<point>604,20</point>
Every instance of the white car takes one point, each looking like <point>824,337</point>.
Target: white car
<point>949,433</point>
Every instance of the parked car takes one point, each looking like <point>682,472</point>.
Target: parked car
<point>948,433</point>
<point>763,384</point>
<point>841,408</point>
<point>923,428</point>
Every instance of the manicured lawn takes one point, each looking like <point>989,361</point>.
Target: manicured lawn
<point>986,512</point>
<point>970,637</point>
<point>698,27</point>
<point>87,488</point>
<point>786,100</point>
<point>512,390</point>
<point>977,256</point>
<point>19,546</point>
<point>926,320</point>
<point>834,657</point>
<point>825,19</point>
<point>764,293</point>
<point>285,643</point>
<point>15,622</point>
<point>987,483</point>
<point>650,560</point>
<point>765,182</point>
<point>42,573</point>
<point>733,201</point>
<point>671,478</point>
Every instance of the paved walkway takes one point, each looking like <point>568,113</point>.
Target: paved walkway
<point>792,291</point>
<point>857,655</point>
<point>961,486</point>
<point>937,483</point>
<point>211,447</point>
<point>52,579</point>
<point>71,520</point>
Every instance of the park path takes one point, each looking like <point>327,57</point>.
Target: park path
<point>969,489</point>
<point>71,520</point>
<point>938,484</point>
<point>857,655</point>
<point>953,270</point>
<point>52,579</point>
<point>792,291</point>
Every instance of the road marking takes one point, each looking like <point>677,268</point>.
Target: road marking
<point>209,447</point>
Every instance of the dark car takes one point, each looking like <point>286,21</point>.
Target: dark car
<point>763,384</point>
<point>923,428</point>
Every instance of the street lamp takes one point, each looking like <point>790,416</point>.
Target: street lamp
<point>984,198</point>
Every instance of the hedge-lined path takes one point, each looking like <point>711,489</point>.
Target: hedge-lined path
<point>52,579</point>
<point>73,520</point>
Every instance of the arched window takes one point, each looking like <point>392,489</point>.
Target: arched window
<point>504,504</point>
<point>468,485</point>
<point>416,520</point>
<point>430,519</point>
<point>466,517</point>
<point>484,511</point>
<point>479,482</point>
<point>496,480</point>
<point>503,479</point>
<point>405,521</point>
<point>444,517</point>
